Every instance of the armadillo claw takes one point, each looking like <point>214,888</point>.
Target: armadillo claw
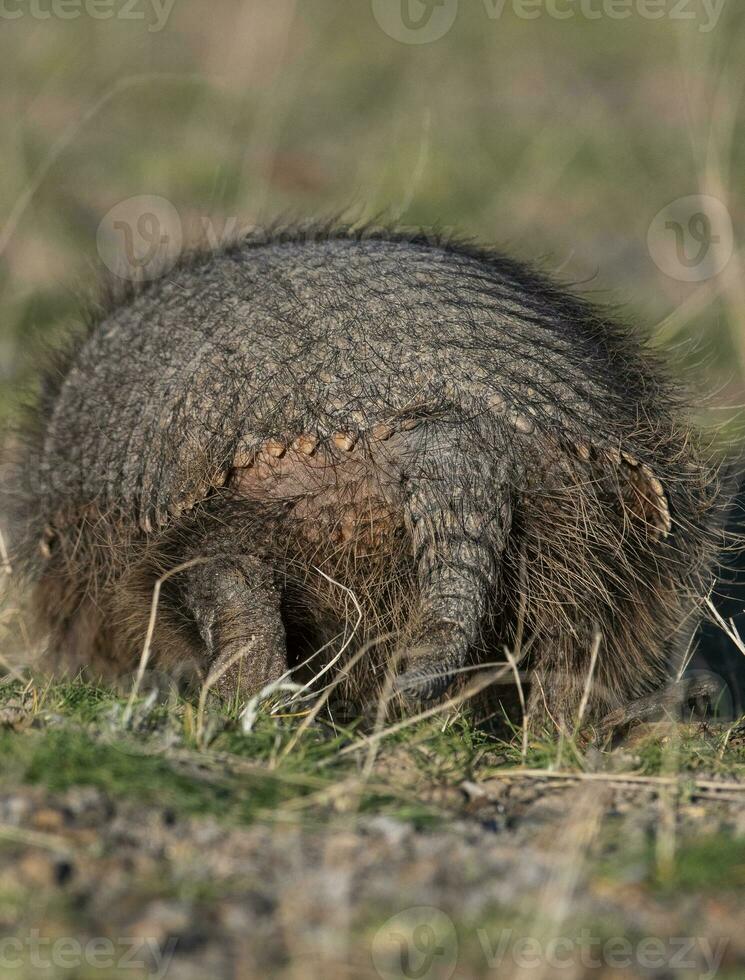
<point>422,685</point>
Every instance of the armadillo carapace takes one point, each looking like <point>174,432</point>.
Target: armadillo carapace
<point>366,439</point>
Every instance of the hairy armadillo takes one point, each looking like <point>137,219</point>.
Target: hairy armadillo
<point>367,442</point>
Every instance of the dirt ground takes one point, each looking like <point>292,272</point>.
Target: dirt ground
<point>477,866</point>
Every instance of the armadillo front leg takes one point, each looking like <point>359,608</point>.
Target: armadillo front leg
<point>235,604</point>
<point>459,521</point>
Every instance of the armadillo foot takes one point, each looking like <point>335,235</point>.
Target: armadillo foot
<point>698,696</point>
<point>235,605</point>
<point>432,665</point>
<point>420,686</point>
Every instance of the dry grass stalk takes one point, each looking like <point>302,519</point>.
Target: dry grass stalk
<point>588,681</point>
<point>147,645</point>
<point>451,703</point>
<point>620,778</point>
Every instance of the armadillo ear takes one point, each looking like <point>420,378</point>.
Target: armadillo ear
<point>645,496</point>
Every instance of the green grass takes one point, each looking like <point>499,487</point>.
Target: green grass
<point>78,738</point>
<point>78,734</point>
<point>713,863</point>
<point>691,750</point>
<point>60,760</point>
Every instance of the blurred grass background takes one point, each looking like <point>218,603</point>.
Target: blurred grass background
<point>555,139</point>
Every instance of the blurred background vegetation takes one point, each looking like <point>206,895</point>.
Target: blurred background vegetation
<point>562,141</point>
<point>558,140</point>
